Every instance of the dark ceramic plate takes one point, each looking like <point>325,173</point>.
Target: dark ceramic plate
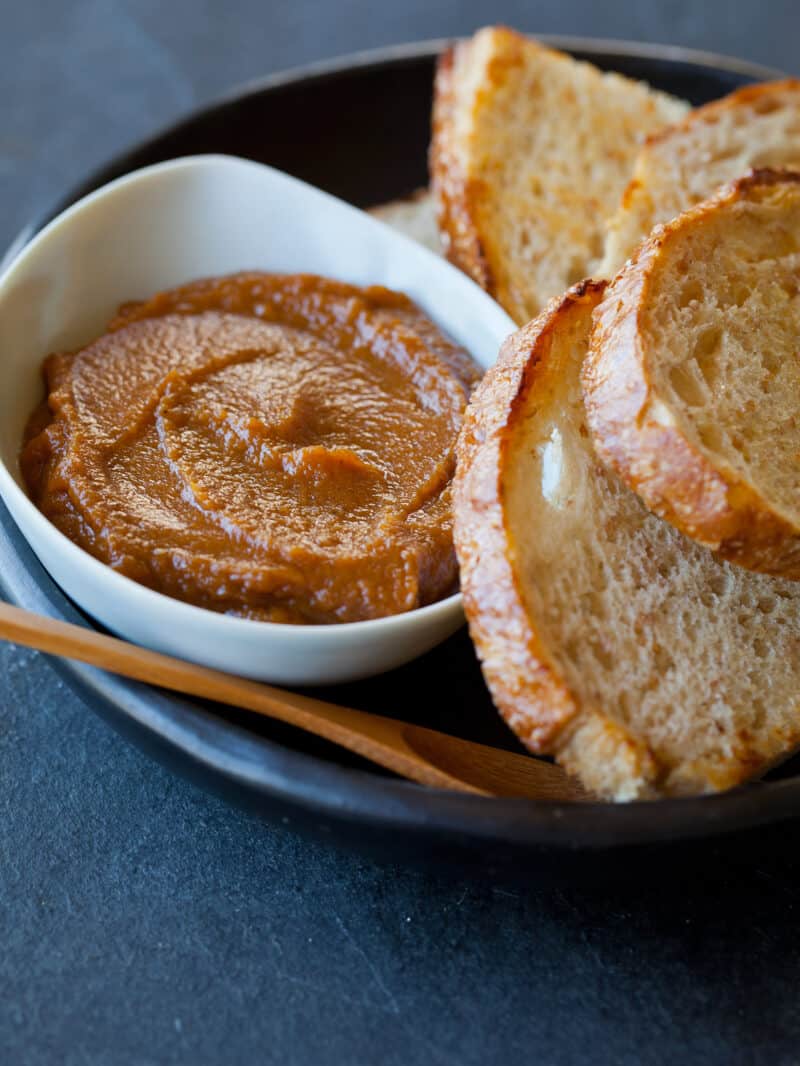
<point>359,128</point>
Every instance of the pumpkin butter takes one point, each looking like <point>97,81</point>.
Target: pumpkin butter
<point>276,447</point>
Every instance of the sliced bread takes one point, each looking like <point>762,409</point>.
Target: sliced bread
<point>643,663</point>
<point>758,126</point>
<point>693,382</point>
<point>530,153</point>
<point>415,217</point>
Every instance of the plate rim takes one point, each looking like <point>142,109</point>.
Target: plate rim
<point>605,46</point>
<point>409,50</point>
<point>350,794</point>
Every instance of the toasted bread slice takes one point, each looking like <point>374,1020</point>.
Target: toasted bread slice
<point>754,127</point>
<point>645,664</point>
<point>531,151</point>
<point>415,217</point>
<point>693,383</point>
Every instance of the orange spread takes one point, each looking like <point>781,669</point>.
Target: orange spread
<point>277,447</point>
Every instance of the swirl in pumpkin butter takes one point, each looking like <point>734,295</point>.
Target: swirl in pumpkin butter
<point>275,447</point>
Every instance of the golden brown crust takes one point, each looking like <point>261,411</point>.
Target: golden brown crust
<point>525,682</point>
<point>647,448</point>
<point>455,194</point>
<point>747,95</point>
<point>762,97</point>
<point>617,755</point>
<point>516,126</point>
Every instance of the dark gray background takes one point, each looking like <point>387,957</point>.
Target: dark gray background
<point>144,922</point>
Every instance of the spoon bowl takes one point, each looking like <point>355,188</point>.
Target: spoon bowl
<point>161,227</point>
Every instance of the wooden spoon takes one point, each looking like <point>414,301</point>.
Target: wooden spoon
<point>423,755</point>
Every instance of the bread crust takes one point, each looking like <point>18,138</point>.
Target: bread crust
<point>525,682</point>
<point>484,168</point>
<point>527,686</point>
<point>619,242</point>
<point>523,669</point>
<point>747,95</point>
<point>639,438</point>
<point>454,193</point>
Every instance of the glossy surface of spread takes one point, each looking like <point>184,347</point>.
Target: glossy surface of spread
<point>277,447</point>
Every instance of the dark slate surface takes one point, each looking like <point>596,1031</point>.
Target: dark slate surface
<point>144,922</point>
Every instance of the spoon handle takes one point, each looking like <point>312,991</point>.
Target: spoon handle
<point>409,751</point>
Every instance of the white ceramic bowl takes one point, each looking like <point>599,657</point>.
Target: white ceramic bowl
<point>158,228</point>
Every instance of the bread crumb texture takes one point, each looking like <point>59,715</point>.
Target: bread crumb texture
<point>693,381</point>
<point>608,638</point>
<point>531,152</point>
<point>757,126</point>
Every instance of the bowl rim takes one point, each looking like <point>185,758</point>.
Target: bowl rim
<point>606,47</point>
<point>323,787</point>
